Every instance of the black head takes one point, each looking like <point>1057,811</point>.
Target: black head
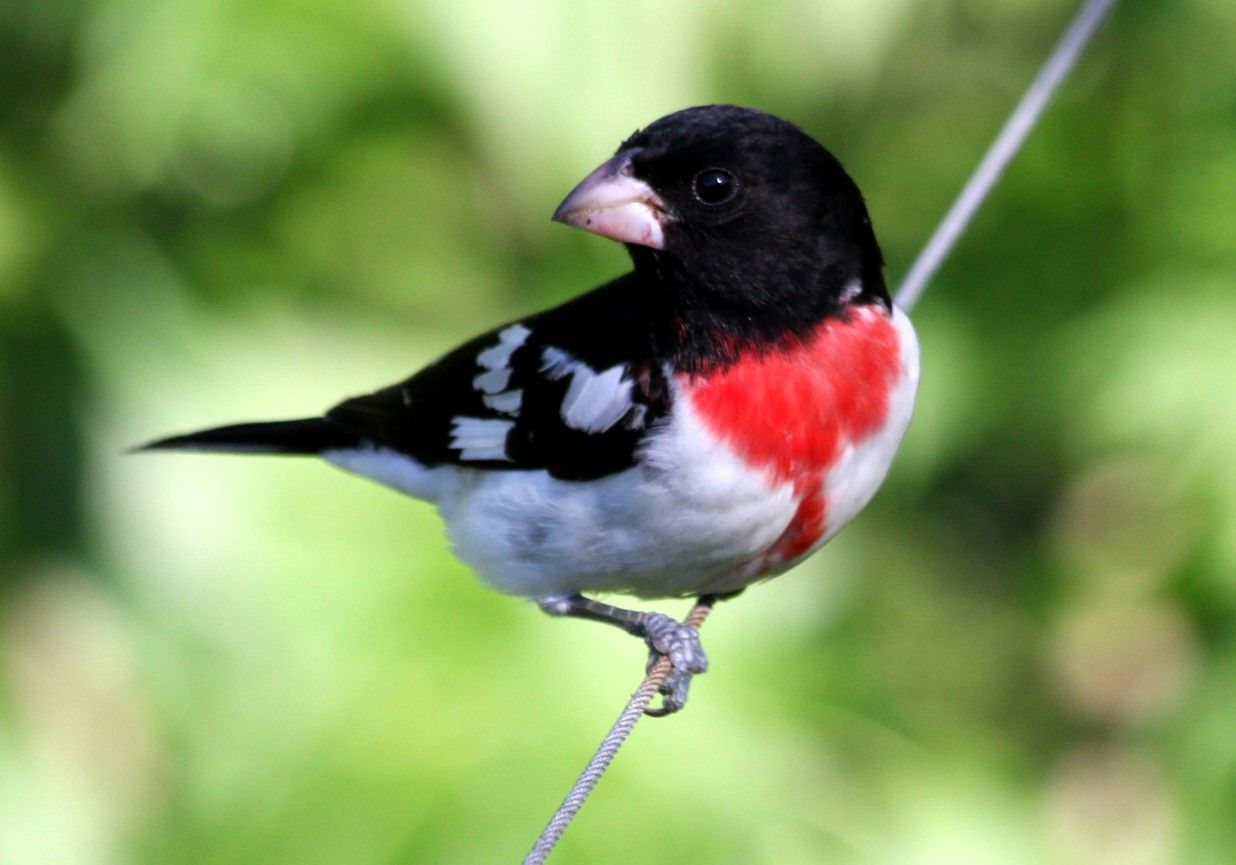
<point>747,218</point>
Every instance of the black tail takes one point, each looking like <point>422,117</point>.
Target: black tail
<point>306,436</point>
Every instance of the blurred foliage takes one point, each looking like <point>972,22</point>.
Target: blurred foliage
<point>214,210</point>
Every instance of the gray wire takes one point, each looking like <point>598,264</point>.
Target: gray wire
<point>609,747</point>
<point>1023,119</point>
<point>594,770</point>
<point>984,179</point>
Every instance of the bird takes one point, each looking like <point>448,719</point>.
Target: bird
<point>705,421</point>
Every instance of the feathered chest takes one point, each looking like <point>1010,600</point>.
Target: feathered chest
<point>823,415</point>
<point>793,410</point>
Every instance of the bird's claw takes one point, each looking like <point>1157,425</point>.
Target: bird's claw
<point>680,643</point>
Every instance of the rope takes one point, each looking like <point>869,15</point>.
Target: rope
<point>1023,119</point>
<point>1010,140</point>
<point>609,747</point>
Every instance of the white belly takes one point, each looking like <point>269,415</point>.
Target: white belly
<point>688,515</point>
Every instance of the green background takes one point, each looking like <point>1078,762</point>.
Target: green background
<point>214,211</point>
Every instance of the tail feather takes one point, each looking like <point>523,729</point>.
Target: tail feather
<point>305,436</point>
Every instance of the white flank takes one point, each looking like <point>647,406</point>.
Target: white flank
<point>480,438</point>
<point>396,470</point>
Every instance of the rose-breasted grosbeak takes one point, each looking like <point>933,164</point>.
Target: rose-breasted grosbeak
<point>705,421</point>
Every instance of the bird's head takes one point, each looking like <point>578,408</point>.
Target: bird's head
<point>737,208</point>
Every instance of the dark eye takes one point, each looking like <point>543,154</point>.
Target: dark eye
<point>714,186</point>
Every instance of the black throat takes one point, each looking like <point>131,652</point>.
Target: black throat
<point>709,313</point>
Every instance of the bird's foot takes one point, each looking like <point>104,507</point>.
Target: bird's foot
<point>680,643</point>
<point>666,638</point>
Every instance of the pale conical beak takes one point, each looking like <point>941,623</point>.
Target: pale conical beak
<point>611,202</point>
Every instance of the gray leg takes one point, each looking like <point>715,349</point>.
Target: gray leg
<point>665,636</point>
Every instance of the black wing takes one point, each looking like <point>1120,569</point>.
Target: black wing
<point>572,390</point>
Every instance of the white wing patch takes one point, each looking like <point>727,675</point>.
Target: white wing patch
<point>480,438</point>
<point>594,401</point>
<point>556,363</point>
<point>507,402</point>
<point>498,356</point>
<point>492,383</point>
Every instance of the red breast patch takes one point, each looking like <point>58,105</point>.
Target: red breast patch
<point>792,411</point>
